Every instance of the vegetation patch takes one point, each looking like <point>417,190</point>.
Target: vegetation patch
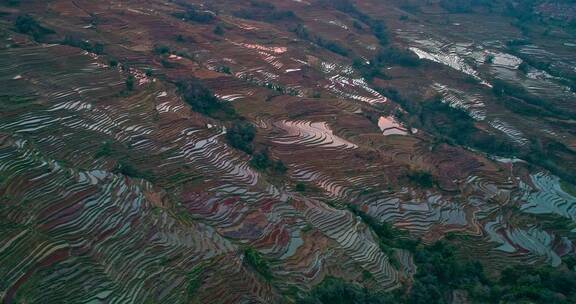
<point>130,82</point>
<point>126,168</point>
<point>265,11</point>
<point>449,124</point>
<point>13,102</point>
<point>395,56</point>
<point>262,162</point>
<point>194,281</point>
<point>241,135</point>
<point>378,27</point>
<point>568,188</point>
<point>441,273</point>
<point>421,178</point>
<point>518,100</point>
<point>92,47</point>
<point>202,100</point>
<point>255,260</point>
<point>27,25</point>
<point>337,291</point>
<point>195,15</point>
<point>389,236</point>
<point>302,32</point>
<point>105,150</point>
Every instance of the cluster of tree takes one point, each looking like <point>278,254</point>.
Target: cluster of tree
<point>255,260</point>
<point>396,56</point>
<point>521,10</point>
<point>218,30</point>
<point>194,281</point>
<point>449,124</point>
<point>161,49</point>
<point>421,178</point>
<point>92,47</point>
<point>446,121</point>
<point>554,156</point>
<point>202,100</point>
<point>535,284</point>
<point>300,187</point>
<point>130,82</point>
<point>261,161</point>
<point>346,6</point>
<point>265,11</point>
<point>455,126</point>
<point>224,69</point>
<point>387,56</point>
<point>442,270</point>
<point>27,25</point>
<point>388,236</point>
<point>457,6</point>
<point>195,15</point>
<point>11,2</point>
<point>368,70</point>
<point>566,77</point>
<point>332,46</point>
<point>527,18</point>
<point>126,168</point>
<point>518,100</point>
<point>105,150</point>
<point>241,135</point>
<point>337,291</point>
<point>302,32</point>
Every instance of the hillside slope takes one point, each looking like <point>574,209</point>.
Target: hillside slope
<point>282,151</point>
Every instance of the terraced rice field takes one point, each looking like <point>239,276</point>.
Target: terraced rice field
<point>117,188</point>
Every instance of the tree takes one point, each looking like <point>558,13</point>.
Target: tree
<point>219,30</point>
<point>130,83</point>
